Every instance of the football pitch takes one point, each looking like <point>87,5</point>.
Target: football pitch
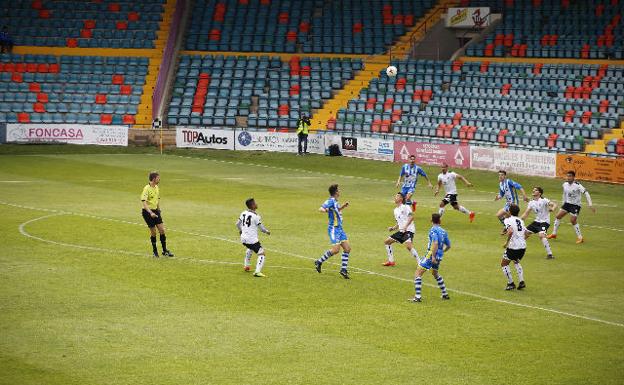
<point>83,302</point>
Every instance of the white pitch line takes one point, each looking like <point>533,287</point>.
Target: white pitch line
<point>497,300</point>
<point>22,230</point>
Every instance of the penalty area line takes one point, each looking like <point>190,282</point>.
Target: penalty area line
<point>458,291</point>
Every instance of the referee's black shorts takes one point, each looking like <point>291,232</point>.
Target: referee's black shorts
<point>152,222</point>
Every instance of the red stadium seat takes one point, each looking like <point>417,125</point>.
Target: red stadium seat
<point>72,43</point>
<point>128,119</point>
<point>121,25</point>
<point>23,117</point>
<point>53,68</point>
<point>34,87</point>
<point>43,68</point>
<point>114,7</point>
<point>17,77</point>
<point>39,107</point>
<point>133,16</point>
<point>125,89</point>
<point>106,119</point>
<point>118,79</point>
<point>42,97</point>
<point>100,99</point>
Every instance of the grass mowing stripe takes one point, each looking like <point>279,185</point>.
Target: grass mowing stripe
<point>59,212</point>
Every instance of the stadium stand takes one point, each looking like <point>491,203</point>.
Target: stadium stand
<point>590,29</point>
<point>70,89</point>
<point>269,92</point>
<point>349,27</point>
<point>92,24</point>
<point>526,105</point>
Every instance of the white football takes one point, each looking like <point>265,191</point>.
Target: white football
<point>391,71</point>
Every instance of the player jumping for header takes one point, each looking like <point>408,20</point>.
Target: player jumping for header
<point>542,208</point>
<point>507,189</point>
<point>248,223</point>
<point>409,174</point>
<point>572,191</point>
<point>406,229</point>
<point>337,236</point>
<point>447,179</point>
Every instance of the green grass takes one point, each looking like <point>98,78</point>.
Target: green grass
<point>85,304</point>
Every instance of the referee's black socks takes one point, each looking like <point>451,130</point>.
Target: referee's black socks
<point>163,242</point>
<point>154,249</point>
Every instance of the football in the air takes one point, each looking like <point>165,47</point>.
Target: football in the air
<point>391,71</point>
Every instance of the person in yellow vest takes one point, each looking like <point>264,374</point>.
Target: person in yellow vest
<point>303,128</point>
<point>151,214</point>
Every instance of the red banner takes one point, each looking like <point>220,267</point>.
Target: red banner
<point>433,154</point>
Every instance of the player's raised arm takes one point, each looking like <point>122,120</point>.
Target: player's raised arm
<point>322,209</point>
<point>422,173</point>
<point>465,180</point>
<point>264,229</point>
<point>589,201</point>
<point>525,214</point>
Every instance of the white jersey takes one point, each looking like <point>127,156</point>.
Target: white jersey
<point>517,240</point>
<point>572,193</point>
<point>540,208</point>
<point>402,215</point>
<point>249,222</point>
<point>448,181</point>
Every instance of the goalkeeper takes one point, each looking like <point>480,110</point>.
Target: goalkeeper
<point>438,244</point>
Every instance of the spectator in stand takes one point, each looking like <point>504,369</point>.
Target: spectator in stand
<point>303,129</point>
<point>6,42</point>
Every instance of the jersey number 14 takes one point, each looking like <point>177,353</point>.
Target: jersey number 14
<point>247,220</point>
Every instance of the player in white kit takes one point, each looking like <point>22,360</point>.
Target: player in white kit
<point>406,229</point>
<point>542,207</point>
<point>447,179</point>
<point>248,223</point>
<point>514,247</point>
<point>572,191</point>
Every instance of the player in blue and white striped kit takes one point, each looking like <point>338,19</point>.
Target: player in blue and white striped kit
<point>507,189</point>
<point>337,237</point>
<point>439,243</point>
<point>409,174</point>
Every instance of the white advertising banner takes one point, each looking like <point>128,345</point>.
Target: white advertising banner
<point>277,141</point>
<point>205,138</point>
<point>367,148</point>
<point>471,17</point>
<point>513,161</point>
<point>67,133</point>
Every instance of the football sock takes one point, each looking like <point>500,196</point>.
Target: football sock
<point>520,272</point>
<point>556,226</point>
<point>163,241</point>
<point>248,257</point>
<point>578,230</point>
<point>154,248</point>
<point>441,285</point>
<point>390,254</point>
<point>507,272</point>
<point>260,263</point>
<point>441,211</point>
<point>324,257</point>
<point>546,246</point>
<point>414,253</point>
<point>462,209</point>
<point>418,286</point>
<point>345,261</point>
